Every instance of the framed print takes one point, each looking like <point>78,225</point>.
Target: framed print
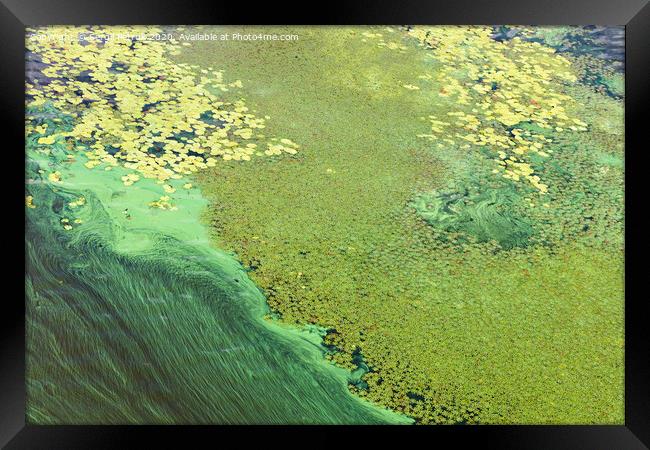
<point>412,216</point>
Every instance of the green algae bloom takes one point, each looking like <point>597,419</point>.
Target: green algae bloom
<point>361,225</point>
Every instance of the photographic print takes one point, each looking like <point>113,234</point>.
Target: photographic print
<point>324,224</point>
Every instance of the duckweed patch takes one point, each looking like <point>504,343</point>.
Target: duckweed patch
<point>447,312</point>
<point>597,53</point>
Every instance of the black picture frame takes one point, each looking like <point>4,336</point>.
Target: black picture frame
<point>15,15</point>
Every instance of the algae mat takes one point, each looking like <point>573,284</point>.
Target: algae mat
<point>324,225</point>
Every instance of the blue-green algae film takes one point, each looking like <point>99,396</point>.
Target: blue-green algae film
<point>324,225</point>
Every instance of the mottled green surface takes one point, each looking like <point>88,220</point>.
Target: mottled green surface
<point>452,334</point>
<point>454,295</point>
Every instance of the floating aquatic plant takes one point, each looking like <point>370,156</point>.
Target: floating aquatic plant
<point>133,106</point>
